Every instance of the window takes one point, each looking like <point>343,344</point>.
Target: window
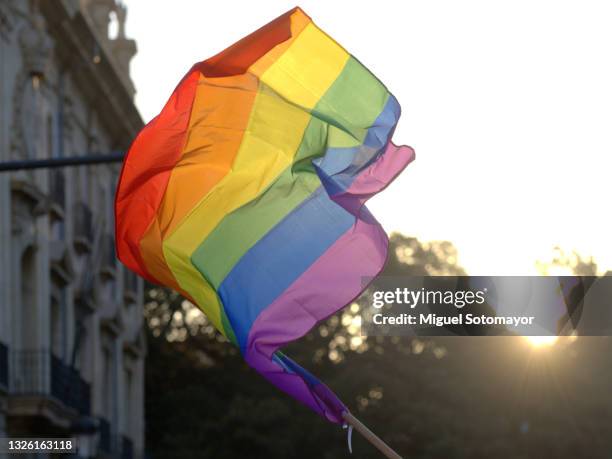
<point>56,328</point>
<point>28,299</point>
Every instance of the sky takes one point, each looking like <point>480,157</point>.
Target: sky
<point>507,104</point>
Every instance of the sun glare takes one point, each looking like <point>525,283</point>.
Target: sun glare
<point>541,341</point>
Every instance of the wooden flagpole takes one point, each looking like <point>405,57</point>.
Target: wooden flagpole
<point>370,436</point>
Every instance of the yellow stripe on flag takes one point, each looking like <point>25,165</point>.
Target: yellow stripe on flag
<point>306,84</point>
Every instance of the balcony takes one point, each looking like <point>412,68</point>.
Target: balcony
<point>68,386</point>
<point>31,373</point>
<point>57,193</point>
<point>4,370</point>
<point>41,374</point>
<point>83,227</point>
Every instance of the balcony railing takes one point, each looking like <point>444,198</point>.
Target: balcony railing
<point>30,372</point>
<point>4,367</point>
<point>68,386</point>
<point>41,373</point>
<point>83,227</point>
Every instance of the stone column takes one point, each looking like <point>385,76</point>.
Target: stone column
<point>5,202</point>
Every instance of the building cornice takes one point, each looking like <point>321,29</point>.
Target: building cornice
<point>100,80</point>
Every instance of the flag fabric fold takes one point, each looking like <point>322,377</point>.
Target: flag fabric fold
<point>246,193</point>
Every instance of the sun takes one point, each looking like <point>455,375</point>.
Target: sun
<point>541,341</point>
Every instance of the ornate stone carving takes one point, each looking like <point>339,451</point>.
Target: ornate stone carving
<point>122,47</point>
<point>36,51</point>
<point>99,11</point>
<point>121,12</point>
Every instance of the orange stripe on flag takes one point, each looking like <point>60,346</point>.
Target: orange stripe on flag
<point>146,171</point>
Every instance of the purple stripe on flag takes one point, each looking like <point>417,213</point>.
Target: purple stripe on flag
<point>335,279</point>
<point>375,177</point>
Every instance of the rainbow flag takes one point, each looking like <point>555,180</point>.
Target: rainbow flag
<point>246,193</point>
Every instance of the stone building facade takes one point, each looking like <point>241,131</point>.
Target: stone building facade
<point>72,346</point>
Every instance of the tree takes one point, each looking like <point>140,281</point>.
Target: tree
<point>452,397</point>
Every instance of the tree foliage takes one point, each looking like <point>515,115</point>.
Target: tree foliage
<point>440,398</point>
